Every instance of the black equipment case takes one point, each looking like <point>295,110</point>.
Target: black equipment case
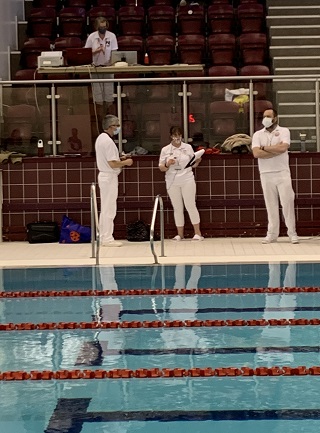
<point>43,232</point>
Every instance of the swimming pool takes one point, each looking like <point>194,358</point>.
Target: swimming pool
<point>160,349</point>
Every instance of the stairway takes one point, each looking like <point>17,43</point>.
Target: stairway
<point>294,29</point>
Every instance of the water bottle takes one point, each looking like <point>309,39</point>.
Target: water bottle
<point>303,142</point>
<point>40,149</point>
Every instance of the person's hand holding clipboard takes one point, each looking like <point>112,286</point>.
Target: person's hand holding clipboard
<point>197,155</point>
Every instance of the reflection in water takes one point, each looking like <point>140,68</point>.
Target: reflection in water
<point>109,311</point>
<point>273,336</point>
<point>182,307</point>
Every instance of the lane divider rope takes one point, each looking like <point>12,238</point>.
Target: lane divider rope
<point>157,324</point>
<point>156,292</point>
<point>144,373</point>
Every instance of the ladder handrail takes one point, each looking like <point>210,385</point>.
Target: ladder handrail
<point>95,234</point>
<point>153,221</point>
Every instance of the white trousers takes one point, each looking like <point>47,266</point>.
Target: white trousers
<point>102,92</point>
<point>275,186</point>
<point>181,196</point>
<point>108,184</point>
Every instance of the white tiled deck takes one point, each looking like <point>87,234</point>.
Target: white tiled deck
<point>213,250</point>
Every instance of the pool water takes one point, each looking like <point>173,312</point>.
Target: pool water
<point>249,404</point>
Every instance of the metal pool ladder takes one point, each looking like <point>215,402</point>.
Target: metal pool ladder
<point>95,234</point>
<point>154,214</point>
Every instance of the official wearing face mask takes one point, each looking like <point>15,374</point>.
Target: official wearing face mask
<point>180,182</point>
<point>270,146</point>
<point>102,42</point>
<point>109,165</point>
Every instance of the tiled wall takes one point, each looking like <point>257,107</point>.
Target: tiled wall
<point>229,194</point>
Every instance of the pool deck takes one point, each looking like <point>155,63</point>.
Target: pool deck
<point>210,251</point>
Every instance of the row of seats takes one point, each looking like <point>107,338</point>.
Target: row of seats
<point>222,118</point>
<point>224,49</point>
<point>87,4</point>
<point>133,20</point>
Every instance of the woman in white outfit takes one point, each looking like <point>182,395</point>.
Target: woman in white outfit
<point>180,182</point>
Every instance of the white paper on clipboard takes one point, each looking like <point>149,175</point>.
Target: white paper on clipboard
<point>197,155</point>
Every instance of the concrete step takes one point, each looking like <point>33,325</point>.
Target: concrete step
<point>292,50</point>
<point>294,10</point>
<point>297,121</point>
<point>300,30</point>
<point>295,96</point>
<point>286,3</point>
<point>304,108</point>
<point>297,71</point>
<point>302,85</point>
<point>292,20</point>
<point>298,61</point>
<point>296,40</point>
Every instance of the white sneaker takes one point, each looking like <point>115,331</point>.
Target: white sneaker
<point>112,244</point>
<point>177,238</point>
<point>268,240</point>
<point>197,238</point>
<point>294,240</point>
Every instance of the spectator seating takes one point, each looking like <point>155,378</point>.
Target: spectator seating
<point>224,117</point>
<point>191,19</point>
<point>222,48</point>
<point>160,49</point>
<point>161,20</point>
<point>191,48</point>
<point>131,20</point>
<point>221,18</point>
<point>42,23</point>
<point>72,21</point>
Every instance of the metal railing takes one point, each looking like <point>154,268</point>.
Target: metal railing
<point>95,234</point>
<point>153,221</point>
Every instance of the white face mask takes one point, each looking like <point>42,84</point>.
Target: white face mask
<point>117,130</point>
<point>267,122</point>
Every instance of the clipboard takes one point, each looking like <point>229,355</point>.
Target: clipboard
<point>197,155</point>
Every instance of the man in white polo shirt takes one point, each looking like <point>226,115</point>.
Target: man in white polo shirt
<point>109,165</point>
<point>270,145</point>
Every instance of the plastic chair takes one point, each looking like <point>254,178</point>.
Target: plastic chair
<point>160,49</point>
<point>134,2</point>
<point>191,19</point>
<point>161,20</point>
<point>101,11</point>
<point>78,4</point>
<point>31,49</point>
<point>191,48</point>
<point>225,2</point>
<point>260,87</point>
<point>224,116</point>
<point>55,4</point>
<point>222,47</point>
<point>131,20</point>
<point>42,23</point>
<point>218,89</point>
<point>253,48</point>
<point>221,18</point>
<point>72,22</point>
<point>251,18</point>
<point>20,120</point>
<point>110,3</point>
<point>132,43</point>
<point>163,2</point>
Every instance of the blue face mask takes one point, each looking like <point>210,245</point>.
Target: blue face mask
<point>117,130</point>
